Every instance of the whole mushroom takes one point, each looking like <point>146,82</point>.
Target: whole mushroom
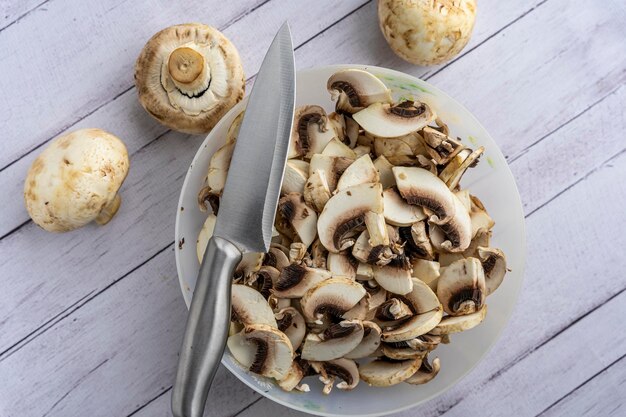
<point>75,180</point>
<point>188,76</point>
<point>426,32</point>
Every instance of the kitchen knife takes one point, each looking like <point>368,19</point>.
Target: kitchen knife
<point>244,223</point>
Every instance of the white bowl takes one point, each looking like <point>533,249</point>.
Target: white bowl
<point>491,181</point>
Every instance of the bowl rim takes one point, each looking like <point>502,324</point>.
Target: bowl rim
<point>517,203</point>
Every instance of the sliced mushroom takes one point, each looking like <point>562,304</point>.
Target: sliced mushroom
<point>333,296</point>
<point>426,310</point>
<point>277,303</point>
<point>479,217</point>
<point>440,146</point>
<point>427,271</point>
<point>361,171</point>
<point>316,190</point>
<point>263,350</point>
<point>461,287</point>
<point>369,344</point>
<point>295,280</point>
<point>361,150</point>
<point>336,341</point>
<point>385,372</point>
<point>398,212</point>
<point>425,373</point>
<point>385,173</point>
<point>290,321</point>
<point>294,177</point>
<point>494,267</point>
<point>332,166</point>
<point>263,280</point>
<point>345,213</point>
<point>276,258</point>
<point>355,89</point>
<point>456,234</point>
<point>395,276</point>
<point>338,122</point>
<point>427,164</point>
<point>311,132</point>
<point>481,238</point>
<point>377,294</point>
<point>392,310</point>
<point>401,353</point>
<point>298,253</point>
<point>421,344</point>
<point>420,187</point>
<point>397,152</point>
<point>301,217</point>
<point>342,264</point>
<point>455,169</point>
<point>364,272</point>
<point>205,234</point>
<point>318,255</point>
<point>416,241</point>
<point>352,132</point>
<point>455,324</point>
<point>359,311</point>
<point>250,307</point>
<point>465,198</point>
<point>344,369</point>
<point>292,378</point>
<point>365,251</point>
<point>338,149</point>
<point>387,121</point>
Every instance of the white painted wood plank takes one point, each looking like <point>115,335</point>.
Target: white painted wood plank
<point>153,227</point>
<point>13,10</point>
<point>144,224</point>
<point>601,396</point>
<point>84,76</point>
<point>111,356</point>
<point>145,312</point>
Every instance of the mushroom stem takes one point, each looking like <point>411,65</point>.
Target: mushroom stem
<point>108,211</point>
<point>186,66</point>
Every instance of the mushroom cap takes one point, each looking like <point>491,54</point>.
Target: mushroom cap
<point>384,373</point>
<point>369,343</point>
<point>456,234</point>
<point>461,288</point>
<point>311,131</point>
<point>344,215</point>
<point>456,324</point>
<point>291,322</point>
<point>334,296</point>
<point>336,341</point>
<point>425,373</point>
<point>344,369</point>
<point>75,180</point>
<point>494,267</point>
<point>250,307</point>
<point>302,218</point>
<point>386,121</point>
<point>395,277</point>
<point>427,33</point>
<point>189,105</point>
<point>354,89</point>
<point>263,350</point>
<point>398,212</point>
<point>420,187</point>
<point>295,280</point>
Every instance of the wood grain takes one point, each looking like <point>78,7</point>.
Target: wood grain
<point>12,12</point>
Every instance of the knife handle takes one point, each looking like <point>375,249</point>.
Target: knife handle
<point>206,330</point>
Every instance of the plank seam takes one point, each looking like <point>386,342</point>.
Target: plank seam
<point>23,15</point>
<point>150,401</point>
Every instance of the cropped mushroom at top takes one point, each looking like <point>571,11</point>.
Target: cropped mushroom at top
<point>75,180</point>
<point>188,76</point>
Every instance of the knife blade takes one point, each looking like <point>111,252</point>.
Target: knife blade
<point>244,223</point>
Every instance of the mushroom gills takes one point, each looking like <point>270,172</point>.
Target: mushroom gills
<point>301,217</point>
<point>354,89</point>
<point>461,287</point>
<point>333,296</point>
<point>387,121</point>
<point>398,212</point>
<point>336,341</point>
<point>295,280</point>
<point>310,133</point>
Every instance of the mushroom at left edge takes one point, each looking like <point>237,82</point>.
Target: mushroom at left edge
<point>75,180</point>
<point>188,76</point>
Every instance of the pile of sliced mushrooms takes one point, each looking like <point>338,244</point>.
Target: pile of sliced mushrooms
<point>378,254</point>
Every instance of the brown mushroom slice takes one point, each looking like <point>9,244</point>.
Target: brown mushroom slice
<point>359,311</point>
<point>420,187</point>
<point>416,241</point>
<point>455,169</point>
<point>398,212</point>
<point>456,324</point>
<point>332,166</point>
<point>298,251</point>
<point>263,280</point>
<point>395,276</point>
<point>494,267</point>
<point>427,164</point>
<point>336,341</point>
<point>352,132</point>
<point>461,287</point>
<point>276,258</point>
<point>292,379</point>
<point>425,373</point>
<point>337,148</point>
<point>310,133</point>
<point>427,313</point>
<point>342,264</point>
<point>361,150</point>
<point>465,198</point>
<point>365,251</point>
<point>295,280</point>
<point>385,173</point>
<point>277,303</point>
<point>456,234</point>
<point>479,217</point>
<point>188,76</point>
<point>391,311</point>
<point>263,350</point>
<point>385,372</point>
<point>333,296</point>
<point>387,121</point>
<point>344,369</point>
<point>401,353</point>
<point>295,177</point>
<point>440,147</point>
<point>338,122</point>
<point>316,190</point>
<point>360,171</point>
<point>290,321</point>
<point>355,89</point>
<point>318,255</point>
<point>345,214</point>
<point>302,218</point>
<point>250,307</point>
<point>364,272</point>
<point>426,271</point>
<point>369,344</point>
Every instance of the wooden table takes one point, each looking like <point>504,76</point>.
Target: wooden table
<point>91,321</point>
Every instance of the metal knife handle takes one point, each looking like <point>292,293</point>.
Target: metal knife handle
<point>207,329</point>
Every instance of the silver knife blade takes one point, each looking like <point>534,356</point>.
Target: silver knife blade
<point>250,198</point>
